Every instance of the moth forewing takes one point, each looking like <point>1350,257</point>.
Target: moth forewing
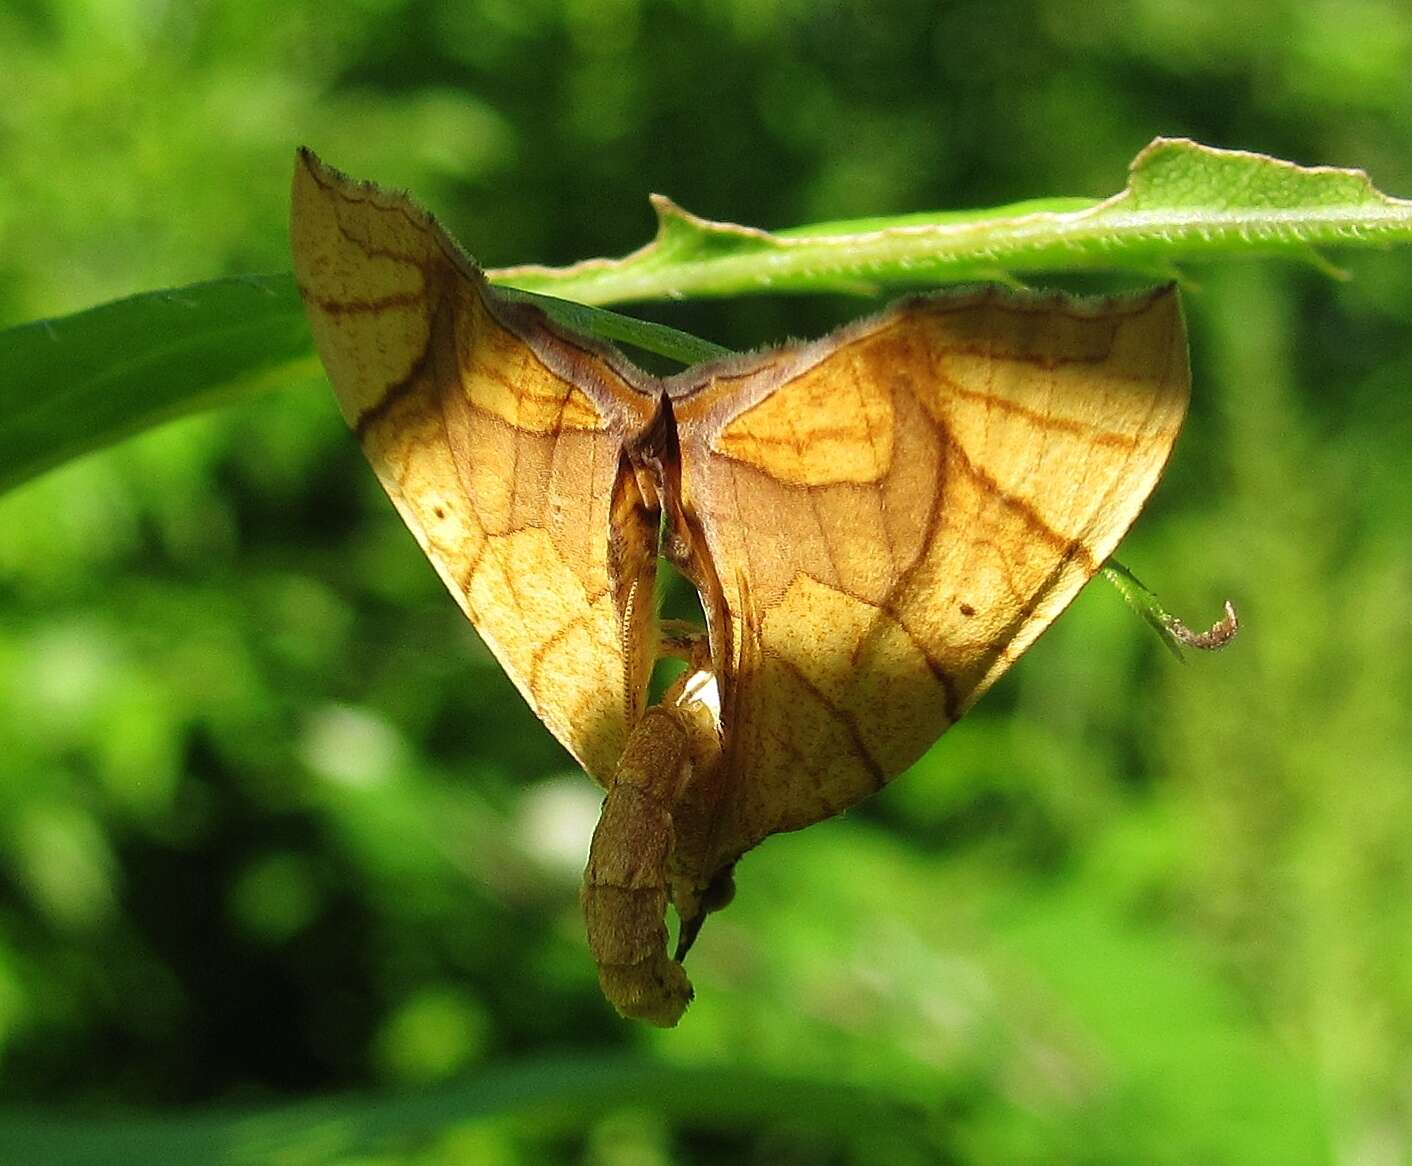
<point>896,511</point>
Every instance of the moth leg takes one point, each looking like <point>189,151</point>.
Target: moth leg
<point>718,894</point>
<point>625,883</point>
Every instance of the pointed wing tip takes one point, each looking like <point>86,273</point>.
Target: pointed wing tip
<point>307,162</point>
<point>312,177</point>
<point>1165,301</point>
<point>1169,292</point>
<point>312,173</point>
<point>309,166</point>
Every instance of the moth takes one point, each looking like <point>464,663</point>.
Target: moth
<point>878,523</point>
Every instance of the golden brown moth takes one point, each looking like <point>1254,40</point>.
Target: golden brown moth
<point>878,524</point>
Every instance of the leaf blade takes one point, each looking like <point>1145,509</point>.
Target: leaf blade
<point>1182,201</point>
<point>560,1093</point>
<point>63,392</point>
<point>77,383</point>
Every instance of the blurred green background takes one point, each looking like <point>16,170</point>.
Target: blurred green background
<point>273,825</point>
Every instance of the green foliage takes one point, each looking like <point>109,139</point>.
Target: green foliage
<point>71,385</point>
<point>1182,201</point>
<point>63,391</point>
<point>535,1104</point>
<point>75,384</point>
<point>274,827</point>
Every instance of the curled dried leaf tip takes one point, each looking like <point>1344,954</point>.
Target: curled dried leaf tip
<point>1214,638</point>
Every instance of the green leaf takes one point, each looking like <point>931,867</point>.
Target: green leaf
<point>78,383</point>
<point>84,381</point>
<point>74,384</point>
<point>569,1094</point>
<point>643,334</point>
<point>1182,201</point>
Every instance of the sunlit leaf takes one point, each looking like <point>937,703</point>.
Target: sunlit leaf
<point>1182,201</point>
